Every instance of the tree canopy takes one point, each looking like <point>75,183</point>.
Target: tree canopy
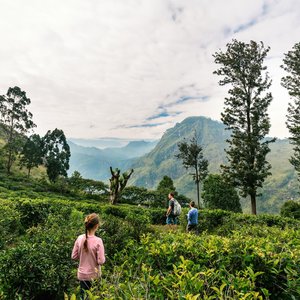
<point>57,154</point>
<point>32,153</point>
<point>291,64</point>
<point>16,120</point>
<point>191,155</point>
<point>245,114</point>
<point>218,194</point>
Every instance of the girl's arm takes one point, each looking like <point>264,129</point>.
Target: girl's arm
<point>100,253</point>
<point>75,252</point>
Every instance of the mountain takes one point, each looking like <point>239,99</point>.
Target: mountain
<point>94,163</point>
<point>100,143</point>
<point>151,168</point>
<point>161,160</point>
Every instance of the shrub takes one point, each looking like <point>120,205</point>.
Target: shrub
<point>181,266</point>
<point>10,225</point>
<point>290,209</point>
<point>218,194</point>
<point>40,266</point>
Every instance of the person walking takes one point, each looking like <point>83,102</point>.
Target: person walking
<point>89,250</point>
<point>192,217</point>
<point>172,219</point>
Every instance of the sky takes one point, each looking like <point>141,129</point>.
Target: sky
<point>131,69</point>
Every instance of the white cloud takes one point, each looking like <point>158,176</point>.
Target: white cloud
<point>99,68</point>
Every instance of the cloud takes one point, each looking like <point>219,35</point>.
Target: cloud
<point>133,68</point>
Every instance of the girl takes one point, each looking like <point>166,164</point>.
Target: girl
<point>89,249</point>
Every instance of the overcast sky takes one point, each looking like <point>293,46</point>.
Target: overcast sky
<point>134,68</point>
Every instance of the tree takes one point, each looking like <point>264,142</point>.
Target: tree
<point>192,157</point>
<point>57,154</point>
<point>118,183</point>
<point>166,185</point>
<point>217,193</point>
<point>88,187</point>
<point>292,83</point>
<point>32,153</point>
<point>245,114</point>
<point>16,120</point>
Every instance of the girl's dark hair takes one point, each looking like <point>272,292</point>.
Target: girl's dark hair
<point>90,222</point>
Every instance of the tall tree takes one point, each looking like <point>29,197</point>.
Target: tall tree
<point>245,114</point>
<point>292,83</point>
<point>192,158</point>
<point>16,120</point>
<point>32,153</point>
<point>57,154</point>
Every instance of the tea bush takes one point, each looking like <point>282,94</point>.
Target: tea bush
<point>235,256</point>
<point>263,265</point>
<point>10,224</point>
<point>291,209</point>
<point>39,267</point>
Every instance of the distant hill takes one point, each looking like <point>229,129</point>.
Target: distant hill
<point>94,163</point>
<point>103,143</point>
<point>151,168</point>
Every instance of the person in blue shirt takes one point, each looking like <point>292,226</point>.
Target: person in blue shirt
<point>192,217</point>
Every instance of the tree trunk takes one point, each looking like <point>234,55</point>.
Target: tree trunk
<point>113,198</point>
<point>198,193</point>
<point>253,203</point>
<point>9,161</point>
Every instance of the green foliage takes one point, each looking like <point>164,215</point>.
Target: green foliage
<point>32,213</point>
<point>192,157</point>
<point>88,187</point>
<point>291,82</point>
<point>234,256</point>
<point>141,196</point>
<point>217,193</point>
<point>166,186</point>
<point>223,222</point>
<point>39,267</point>
<point>10,224</point>
<point>57,154</point>
<point>245,114</point>
<point>243,266</point>
<point>32,153</point>
<point>290,209</point>
<point>16,120</point>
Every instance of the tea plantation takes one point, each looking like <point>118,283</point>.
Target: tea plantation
<point>234,256</point>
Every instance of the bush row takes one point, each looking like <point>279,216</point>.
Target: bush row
<point>181,266</point>
<point>36,264</point>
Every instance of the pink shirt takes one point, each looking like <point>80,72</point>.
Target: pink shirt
<point>89,261</point>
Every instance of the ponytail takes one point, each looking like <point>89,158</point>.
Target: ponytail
<point>90,222</point>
